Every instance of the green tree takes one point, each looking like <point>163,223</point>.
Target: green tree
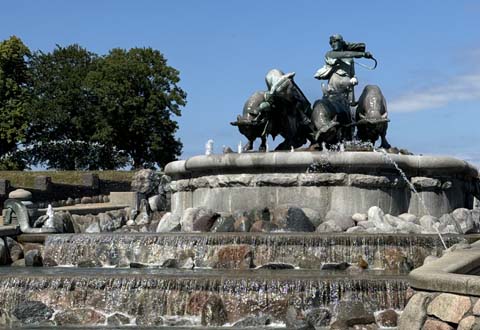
<point>136,93</point>
<point>14,79</point>
<point>62,130</point>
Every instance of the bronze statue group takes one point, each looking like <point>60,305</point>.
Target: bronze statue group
<point>284,110</point>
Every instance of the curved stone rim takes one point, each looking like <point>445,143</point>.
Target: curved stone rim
<point>345,161</point>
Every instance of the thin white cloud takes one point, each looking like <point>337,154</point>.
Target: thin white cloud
<point>462,88</point>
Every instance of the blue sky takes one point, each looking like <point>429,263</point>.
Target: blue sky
<point>428,53</point>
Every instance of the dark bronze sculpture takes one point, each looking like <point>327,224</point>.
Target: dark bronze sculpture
<point>284,110</point>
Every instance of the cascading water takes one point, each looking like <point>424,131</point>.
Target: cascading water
<point>148,295</point>
<point>302,250</point>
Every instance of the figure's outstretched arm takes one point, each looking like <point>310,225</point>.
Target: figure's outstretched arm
<point>348,54</point>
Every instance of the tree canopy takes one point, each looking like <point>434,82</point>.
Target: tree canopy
<point>14,97</point>
<point>99,112</point>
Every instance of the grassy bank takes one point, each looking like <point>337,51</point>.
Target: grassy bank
<point>26,178</point>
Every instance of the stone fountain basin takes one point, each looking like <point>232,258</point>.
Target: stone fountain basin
<point>347,182</point>
<point>243,250</point>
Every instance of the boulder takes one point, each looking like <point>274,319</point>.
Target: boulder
<point>168,223</point>
<point>376,215</point>
<point>431,324</point>
<point>341,220</point>
<point>335,266</point>
<point>387,318</point>
<point>313,215</point>
<point>205,222</point>
<point>356,229</point>
<point>467,323</point>
<point>415,312</point>
<point>214,313</point>
<point>14,248</point>
<point>86,200</point>
<point>359,217</point>
<point>408,217</point>
<point>117,319</point>
<point>328,227</point>
<point>259,214</point>
<point>242,224</point>
<point>225,223</point>
<point>449,307</point>
<point>464,218</point>
<point>366,224</point>
<point>79,316</point>
<point>145,181</point>
<point>292,219</point>
<point>190,215</point>
<point>94,227</point>
<point>405,227</point>
<point>263,227</point>
<point>276,266</point>
<point>234,257</point>
<point>33,258</point>
<point>427,223</point>
<point>353,312</point>
<point>32,312</point>
<point>156,203</point>
<point>449,224</point>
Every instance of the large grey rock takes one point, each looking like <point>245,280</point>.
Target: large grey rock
<point>409,228</point>
<point>169,222</point>
<point>292,219</point>
<point>449,307</point>
<point>14,248</point>
<point>410,218</point>
<point>353,312</point>
<point>225,223</point>
<point>415,312</point>
<point>145,181</point>
<point>359,217</point>
<point>464,218</point>
<point>341,220</point>
<point>191,215</point>
<point>313,215</point>
<point>33,258</point>
<point>387,318</point>
<point>94,227</point>
<point>427,223</point>
<point>329,227</point>
<point>32,312</point>
<point>205,223</point>
<point>376,215</point>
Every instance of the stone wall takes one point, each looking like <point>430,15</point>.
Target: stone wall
<point>447,292</point>
<point>441,311</point>
<point>46,191</point>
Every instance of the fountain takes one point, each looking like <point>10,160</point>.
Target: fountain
<point>287,238</point>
